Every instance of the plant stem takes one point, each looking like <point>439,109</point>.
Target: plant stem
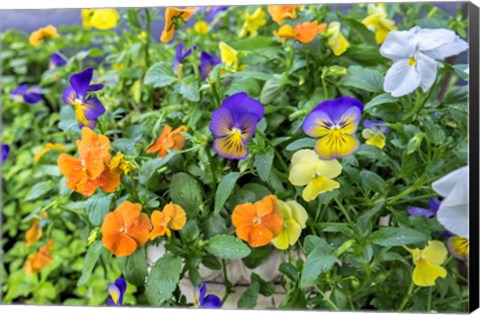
<point>329,301</point>
<point>344,211</point>
<point>215,93</point>
<point>212,169</point>
<point>228,284</point>
<point>406,298</point>
<point>429,299</point>
<point>147,39</point>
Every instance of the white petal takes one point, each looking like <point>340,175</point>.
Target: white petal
<point>454,218</point>
<point>398,45</point>
<point>445,185</point>
<point>429,39</point>
<point>401,79</point>
<point>452,48</point>
<point>427,68</point>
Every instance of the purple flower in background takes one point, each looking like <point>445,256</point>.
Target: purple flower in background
<point>87,109</point>
<point>234,123</point>
<point>428,213</point>
<point>57,61</point>
<point>202,301</point>
<point>5,151</point>
<point>375,133</point>
<point>211,12</point>
<point>28,94</point>
<point>117,291</point>
<point>180,57</point>
<point>207,62</point>
<point>376,125</point>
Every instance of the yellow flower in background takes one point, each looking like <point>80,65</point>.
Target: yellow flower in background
<point>378,22</point>
<point>201,27</point>
<point>459,247</point>
<point>119,165</point>
<point>46,149</point>
<point>229,56</point>
<point>102,19</point>
<point>93,236</point>
<point>316,174</point>
<point>253,22</point>
<point>336,41</point>
<point>294,219</point>
<point>375,133</point>
<point>427,263</point>
<point>282,12</point>
<point>48,32</point>
<point>175,18</point>
<point>285,32</point>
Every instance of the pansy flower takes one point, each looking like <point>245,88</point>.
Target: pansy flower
<point>172,217</point>
<point>294,219</point>
<point>201,27</point>
<point>282,12</point>
<point>234,123</point>
<point>28,94</point>
<point>459,247</point>
<point>316,174</point>
<point>116,291</point>
<point>428,263</point>
<point>174,18</point>
<point>125,229</point>
<point>48,147</point>
<point>119,165</point>
<point>201,300</point>
<point>434,204</point>
<point>90,171</point>
<point>303,32</point>
<point>34,233</point>
<point>375,133</point>
<point>229,57</point>
<point>335,123</point>
<point>87,109</point>
<point>258,223</point>
<point>207,63</point>
<point>102,19</point>
<point>36,262</point>
<point>48,32</point>
<point>336,41</point>
<point>378,22</point>
<point>253,22</point>
<point>180,56</point>
<point>4,153</point>
<point>56,61</point>
<point>168,140</point>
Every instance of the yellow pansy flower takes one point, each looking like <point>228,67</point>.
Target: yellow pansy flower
<point>459,247</point>
<point>47,148</point>
<point>102,19</point>
<point>229,57</point>
<point>118,164</point>
<point>427,263</point>
<point>37,37</point>
<point>253,22</point>
<point>294,219</point>
<point>316,174</point>
<point>378,22</point>
<point>201,27</point>
<point>374,138</point>
<point>336,41</point>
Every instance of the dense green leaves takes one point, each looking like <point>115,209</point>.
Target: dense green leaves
<point>364,79</point>
<point>163,279</point>
<point>224,190</point>
<point>39,190</point>
<point>185,191</point>
<point>134,267</point>
<point>91,258</point>
<point>160,75</point>
<point>318,261</point>
<point>228,247</point>
<point>97,208</point>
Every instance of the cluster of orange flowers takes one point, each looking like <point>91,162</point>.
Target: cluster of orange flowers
<point>37,261</point>
<point>127,228</point>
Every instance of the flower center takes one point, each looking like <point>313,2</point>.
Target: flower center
<point>412,61</point>
<point>257,220</point>
<point>123,230</point>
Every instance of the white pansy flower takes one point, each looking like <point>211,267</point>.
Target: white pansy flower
<point>453,211</point>
<point>415,54</point>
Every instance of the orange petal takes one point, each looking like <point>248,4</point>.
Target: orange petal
<point>273,222</point>
<point>129,211</point>
<point>259,236</point>
<point>306,32</point>
<point>178,217</point>
<point>244,214</point>
<point>160,141</point>
<point>34,233</point>
<point>112,224</point>
<point>266,205</point>
<point>159,222</point>
<point>109,181</point>
<point>139,230</point>
<point>94,150</point>
<point>120,245</point>
<point>243,232</point>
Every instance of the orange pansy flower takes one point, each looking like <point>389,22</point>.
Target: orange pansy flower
<point>304,32</point>
<point>125,229</point>
<point>169,139</point>
<point>38,261</point>
<point>91,170</point>
<point>48,147</point>
<point>258,223</point>
<point>281,12</point>
<point>171,15</point>
<point>37,37</point>
<point>171,217</point>
<point>34,233</point>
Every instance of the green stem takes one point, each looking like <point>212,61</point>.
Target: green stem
<point>147,39</point>
<point>429,299</point>
<point>215,93</point>
<point>406,298</point>
<point>228,284</point>
<point>324,85</point>
<point>344,211</point>
<point>212,169</point>
<point>329,301</point>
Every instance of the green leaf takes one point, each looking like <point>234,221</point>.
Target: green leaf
<point>272,88</point>
<point>91,258</point>
<point>97,207</point>
<point>224,190</point>
<point>214,225</point>
<point>190,91</point>
<point>185,191</point>
<point>384,98</point>
<point>149,168</point>
<point>134,267</point>
<point>125,146</point>
<point>312,242</point>
<point>228,247</point>
<point>318,262</point>
<point>249,296</point>
<point>364,79</point>
<point>160,75</point>
<point>163,279</point>
<point>257,256</point>
<point>372,181</point>
<point>364,221</point>
<point>267,288</point>
<point>263,164</point>
<point>394,236</point>
<point>190,231</point>
<point>251,87</point>
<point>301,143</point>
<point>39,190</point>
<point>288,270</point>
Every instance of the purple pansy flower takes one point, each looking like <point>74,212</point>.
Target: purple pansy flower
<point>28,94</point>
<point>180,57</point>
<point>334,122</point>
<point>428,213</point>
<point>234,123</point>
<point>57,61</point>
<point>5,151</point>
<point>207,62</point>
<point>202,301</point>
<point>376,125</point>
<point>211,12</point>
<point>87,109</point>
<point>117,291</point>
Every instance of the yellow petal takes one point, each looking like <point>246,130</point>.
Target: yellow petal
<point>377,140</point>
<point>436,252</point>
<point>336,145</point>
<point>293,230</point>
<point>201,27</point>
<point>318,186</point>
<point>286,210</point>
<point>328,168</point>
<point>229,56</point>
<point>281,241</point>
<point>305,157</point>
<point>301,174</point>
<point>299,214</point>
<point>459,247</point>
<point>426,273</point>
